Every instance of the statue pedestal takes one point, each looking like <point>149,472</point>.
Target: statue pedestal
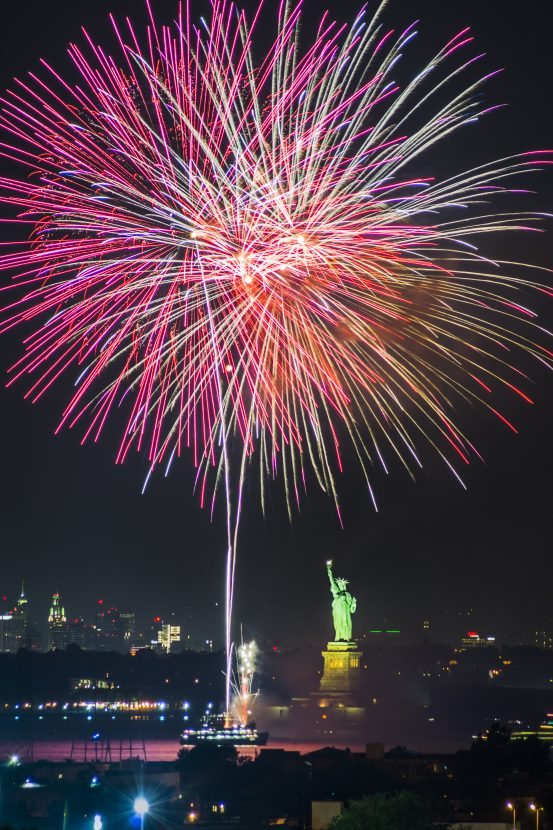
<point>342,668</point>
<point>334,709</point>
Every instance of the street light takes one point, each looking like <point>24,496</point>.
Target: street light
<point>537,810</point>
<point>141,807</point>
<point>511,806</point>
<point>97,824</point>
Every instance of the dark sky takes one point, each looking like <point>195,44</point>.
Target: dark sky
<point>72,521</point>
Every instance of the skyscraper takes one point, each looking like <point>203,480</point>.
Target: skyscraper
<point>20,621</point>
<point>65,632</point>
<point>6,619</point>
<point>15,631</point>
<point>57,624</point>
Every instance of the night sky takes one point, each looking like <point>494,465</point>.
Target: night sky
<point>72,521</point>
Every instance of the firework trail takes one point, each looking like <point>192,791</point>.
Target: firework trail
<point>250,260</point>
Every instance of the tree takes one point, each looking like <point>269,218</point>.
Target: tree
<point>491,754</point>
<point>208,770</point>
<point>394,811</point>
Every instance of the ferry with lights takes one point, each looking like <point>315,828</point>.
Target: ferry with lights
<point>215,730</point>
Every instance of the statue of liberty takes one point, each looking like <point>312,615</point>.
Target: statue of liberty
<point>343,606</point>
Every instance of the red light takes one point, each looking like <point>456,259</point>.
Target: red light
<point>275,648</point>
<point>472,634</point>
<point>100,602</point>
<point>157,619</point>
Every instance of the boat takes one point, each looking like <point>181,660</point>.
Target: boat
<point>216,730</point>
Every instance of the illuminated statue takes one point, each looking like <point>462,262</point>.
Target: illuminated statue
<point>343,606</point>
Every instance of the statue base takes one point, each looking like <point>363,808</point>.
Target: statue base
<point>334,710</point>
<point>342,668</point>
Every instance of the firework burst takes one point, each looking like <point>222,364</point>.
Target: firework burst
<point>252,260</point>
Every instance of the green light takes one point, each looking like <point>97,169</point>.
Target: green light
<point>393,631</point>
<point>375,631</point>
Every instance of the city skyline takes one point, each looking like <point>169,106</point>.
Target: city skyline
<point>103,624</point>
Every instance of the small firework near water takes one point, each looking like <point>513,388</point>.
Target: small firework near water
<point>236,726</point>
<point>242,685</point>
<point>247,255</point>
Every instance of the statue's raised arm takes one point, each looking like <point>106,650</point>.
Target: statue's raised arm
<point>333,586</point>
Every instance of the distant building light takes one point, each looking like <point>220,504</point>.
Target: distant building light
<point>141,806</point>
<point>29,784</point>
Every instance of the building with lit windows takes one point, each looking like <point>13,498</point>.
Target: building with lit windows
<point>6,637</point>
<point>57,624</point>
<point>15,632</point>
<point>63,632</point>
<point>474,640</point>
<point>20,621</point>
<point>168,636</point>
<point>164,635</point>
